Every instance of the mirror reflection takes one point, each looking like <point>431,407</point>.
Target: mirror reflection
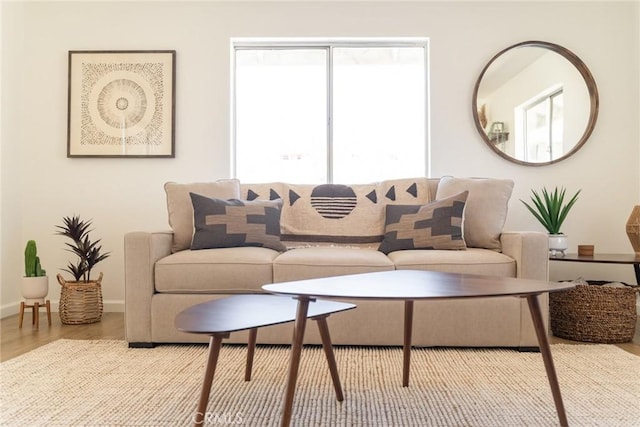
<point>535,103</point>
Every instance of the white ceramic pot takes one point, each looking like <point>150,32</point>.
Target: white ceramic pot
<point>35,289</point>
<point>558,243</point>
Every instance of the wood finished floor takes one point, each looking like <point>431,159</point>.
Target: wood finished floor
<point>15,341</point>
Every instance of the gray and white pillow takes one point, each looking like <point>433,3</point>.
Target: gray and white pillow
<point>180,210</point>
<point>436,225</point>
<point>222,223</point>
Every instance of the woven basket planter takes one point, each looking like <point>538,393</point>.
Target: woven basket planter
<point>594,313</point>
<point>80,302</point>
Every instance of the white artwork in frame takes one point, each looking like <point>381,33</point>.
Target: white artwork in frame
<point>121,104</point>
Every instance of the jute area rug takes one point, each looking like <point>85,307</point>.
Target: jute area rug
<point>71,383</point>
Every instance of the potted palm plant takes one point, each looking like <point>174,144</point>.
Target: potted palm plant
<point>35,283</point>
<point>551,209</point>
<point>81,299</point>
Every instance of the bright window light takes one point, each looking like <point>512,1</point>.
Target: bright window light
<point>347,112</point>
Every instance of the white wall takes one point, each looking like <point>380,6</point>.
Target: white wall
<point>1,150</point>
<point>40,185</point>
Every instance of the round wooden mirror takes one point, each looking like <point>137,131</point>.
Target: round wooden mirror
<point>535,103</point>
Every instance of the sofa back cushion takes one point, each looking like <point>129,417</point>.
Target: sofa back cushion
<point>329,214</point>
<point>180,209</point>
<point>486,208</point>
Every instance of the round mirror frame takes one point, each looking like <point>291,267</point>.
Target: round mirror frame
<point>584,72</point>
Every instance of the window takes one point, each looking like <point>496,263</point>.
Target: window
<point>542,122</point>
<point>348,111</point>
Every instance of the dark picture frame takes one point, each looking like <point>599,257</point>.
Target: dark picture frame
<point>121,103</point>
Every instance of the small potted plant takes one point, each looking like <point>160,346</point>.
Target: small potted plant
<point>551,210</point>
<point>81,300</point>
<point>35,283</point>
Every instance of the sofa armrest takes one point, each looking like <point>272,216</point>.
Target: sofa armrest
<point>141,251</point>
<point>530,249</point>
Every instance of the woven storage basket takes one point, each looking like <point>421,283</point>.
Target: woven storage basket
<point>80,302</point>
<point>594,313</point>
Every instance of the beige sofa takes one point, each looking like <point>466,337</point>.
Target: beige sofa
<point>327,231</point>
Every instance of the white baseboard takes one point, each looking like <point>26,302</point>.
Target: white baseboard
<point>109,306</point>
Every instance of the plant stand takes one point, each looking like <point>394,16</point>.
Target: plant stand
<point>35,316</point>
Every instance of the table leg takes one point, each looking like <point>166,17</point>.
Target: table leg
<point>545,350</point>
<point>636,268</point>
<point>251,349</point>
<point>406,348</point>
<point>294,362</point>
<point>215,342</point>
<point>328,351</point>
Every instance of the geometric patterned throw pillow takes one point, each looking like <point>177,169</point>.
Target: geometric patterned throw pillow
<point>436,225</point>
<point>232,223</point>
<point>180,210</point>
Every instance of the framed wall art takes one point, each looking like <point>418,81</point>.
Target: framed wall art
<point>121,103</point>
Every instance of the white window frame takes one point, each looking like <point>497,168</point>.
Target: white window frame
<point>328,44</point>
<point>520,113</point>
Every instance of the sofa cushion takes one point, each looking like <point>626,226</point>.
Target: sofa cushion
<point>486,208</point>
<point>470,261</point>
<point>308,263</point>
<point>180,209</point>
<point>233,223</point>
<point>436,225</point>
<point>215,270</point>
